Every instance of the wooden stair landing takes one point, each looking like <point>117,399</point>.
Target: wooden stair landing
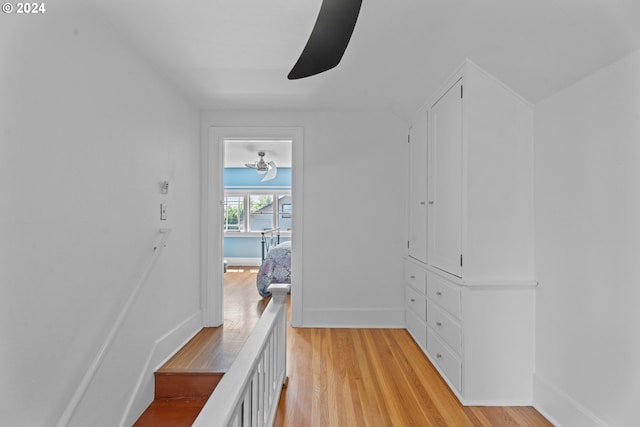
<point>185,382</point>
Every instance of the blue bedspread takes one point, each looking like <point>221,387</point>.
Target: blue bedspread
<point>276,268</point>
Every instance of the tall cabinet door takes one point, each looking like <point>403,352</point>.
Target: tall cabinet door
<point>445,182</point>
<point>418,135</point>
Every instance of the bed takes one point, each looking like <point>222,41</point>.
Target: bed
<point>276,262</point>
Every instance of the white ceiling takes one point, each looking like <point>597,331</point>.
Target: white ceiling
<point>236,54</point>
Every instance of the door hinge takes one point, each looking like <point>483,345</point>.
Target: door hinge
<point>461,91</point>
<point>408,139</point>
<point>460,260</point>
<point>408,247</point>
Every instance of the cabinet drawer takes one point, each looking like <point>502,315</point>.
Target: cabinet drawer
<point>448,363</point>
<point>415,276</point>
<point>445,294</point>
<point>417,328</point>
<point>416,302</point>
<point>446,328</point>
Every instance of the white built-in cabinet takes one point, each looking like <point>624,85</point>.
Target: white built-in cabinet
<point>470,302</point>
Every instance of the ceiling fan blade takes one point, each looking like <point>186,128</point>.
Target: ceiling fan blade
<point>271,173</point>
<point>250,165</point>
<point>329,38</point>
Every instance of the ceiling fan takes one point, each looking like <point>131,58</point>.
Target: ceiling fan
<point>269,169</point>
<point>329,38</point>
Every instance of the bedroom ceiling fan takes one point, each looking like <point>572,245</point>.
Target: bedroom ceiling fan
<point>329,38</point>
<point>269,169</point>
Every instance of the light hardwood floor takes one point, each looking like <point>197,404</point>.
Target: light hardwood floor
<point>377,378</point>
<point>364,377</point>
<point>214,349</point>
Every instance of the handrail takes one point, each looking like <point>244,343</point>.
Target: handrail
<point>93,368</point>
<point>249,392</point>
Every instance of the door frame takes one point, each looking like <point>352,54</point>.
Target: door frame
<point>212,193</point>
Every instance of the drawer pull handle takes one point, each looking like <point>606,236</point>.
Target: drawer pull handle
<point>412,277</point>
<point>438,356</point>
<point>439,324</point>
<point>413,300</point>
<point>439,293</point>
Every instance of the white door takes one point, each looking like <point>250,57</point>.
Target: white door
<point>418,134</point>
<point>445,179</point>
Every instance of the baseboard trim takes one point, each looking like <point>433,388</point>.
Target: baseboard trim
<point>353,318</point>
<point>163,349</point>
<point>243,262</point>
<point>559,408</point>
<point>513,403</point>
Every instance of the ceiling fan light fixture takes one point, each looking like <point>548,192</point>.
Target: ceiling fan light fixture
<point>268,169</point>
<point>271,173</point>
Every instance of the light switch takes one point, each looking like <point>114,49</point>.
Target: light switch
<point>163,211</point>
<point>164,187</point>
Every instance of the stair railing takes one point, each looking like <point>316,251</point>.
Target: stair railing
<point>115,328</point>
<point>249,392</point>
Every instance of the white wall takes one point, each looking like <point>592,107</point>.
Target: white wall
<point>354,221</point>
<point>87,132</point>
<point>587,219</point>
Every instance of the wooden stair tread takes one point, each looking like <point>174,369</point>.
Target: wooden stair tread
<point>171,413</point>
<point>188,385</point>
<point>205,352</point>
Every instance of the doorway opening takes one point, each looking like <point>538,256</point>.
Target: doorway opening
<point>240,202</point>
<point>257,224</point>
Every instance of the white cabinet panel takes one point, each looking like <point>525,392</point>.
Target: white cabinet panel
<point>418,135</point>
<point>416,302</point>
<point>444,293</point>
<point>445,179</point>
<point>417,328</point>
<point>445,359</point>
<point>444,326</point>
<point>415,276</point>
